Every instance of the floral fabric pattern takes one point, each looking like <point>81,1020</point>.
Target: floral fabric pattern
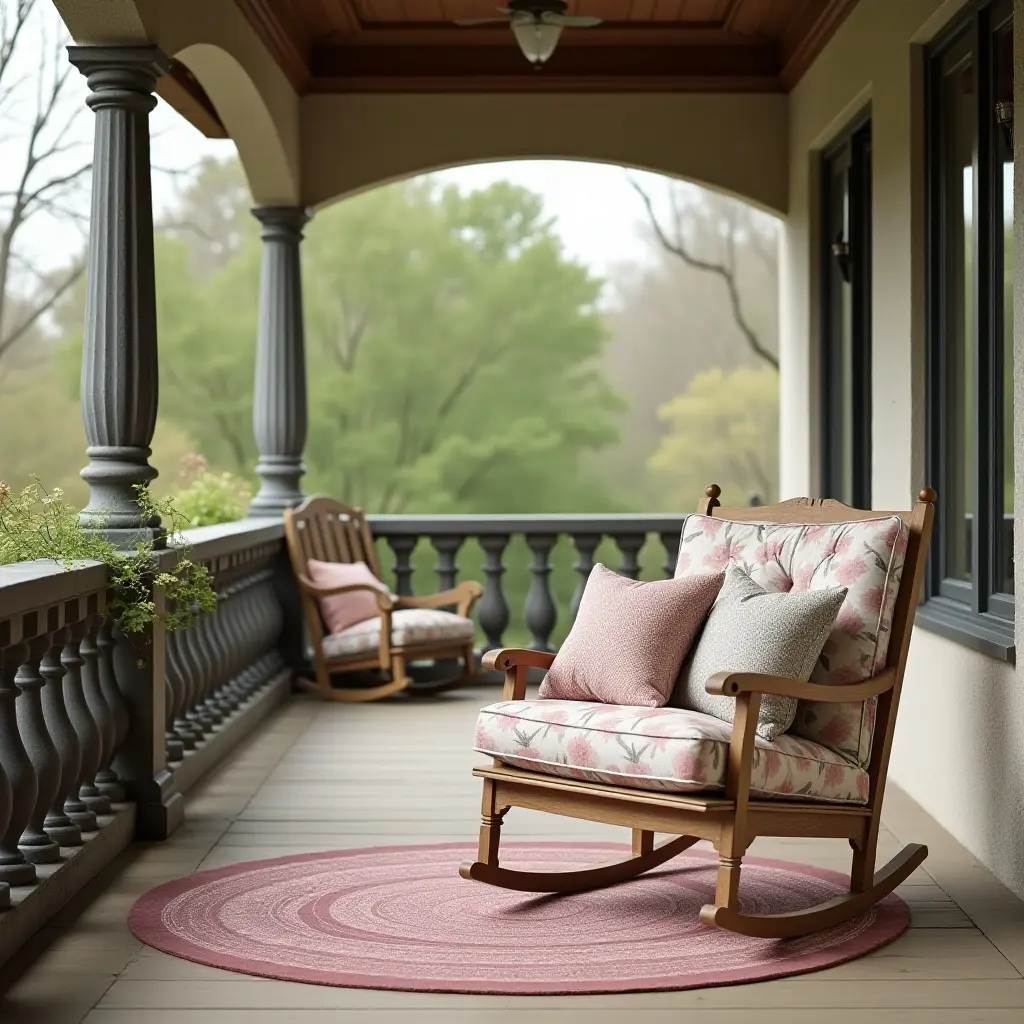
<point>408,626</point>
<point>666,749</point>
<point>866,557</point>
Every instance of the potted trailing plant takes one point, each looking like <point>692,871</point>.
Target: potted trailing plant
<point>39,524</point>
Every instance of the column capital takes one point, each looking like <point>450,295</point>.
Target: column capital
<point>282,223</point>
<point>120,76</point>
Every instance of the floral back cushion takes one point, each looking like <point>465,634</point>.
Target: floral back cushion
<point>866,557</point>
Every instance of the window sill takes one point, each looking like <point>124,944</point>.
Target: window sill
<point>985,633</point>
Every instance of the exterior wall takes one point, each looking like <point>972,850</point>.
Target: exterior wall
<point>959,748</point>
<point>736,143</point>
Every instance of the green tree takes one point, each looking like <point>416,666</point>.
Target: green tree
<point>723,429</point>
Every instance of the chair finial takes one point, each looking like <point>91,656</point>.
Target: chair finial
<point>927,494</point>
<point>713,491</point>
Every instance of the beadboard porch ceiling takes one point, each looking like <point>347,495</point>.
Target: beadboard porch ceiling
<point>642,45</point>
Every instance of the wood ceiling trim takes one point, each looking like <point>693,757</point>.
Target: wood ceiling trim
<point>181,89</point>
<point>284,45</point>
<point>573,69</point>
<point>808,36</point>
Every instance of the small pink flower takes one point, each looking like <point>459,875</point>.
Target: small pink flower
<point>581,752</point>
<point>863,786</point>
<point>848,620</point>
<point>772,763</point>
<point>837,730</point>
<point>812,533</point>
<point>844,544</point>
<point>687,766</point>
<point>803,764</point>
<point>712,525</point>
<point>785,786</point>
<point>802,580</point>
<point>721,555</point>
<point>871,600</point>
<point>528,752</point>
<point>637,769</point>
<point>767,552</point>
<point>834,775</point>
<point>482,738</point>
<point>506,722</point>
<point>683,562</point>
<point>851,571</point>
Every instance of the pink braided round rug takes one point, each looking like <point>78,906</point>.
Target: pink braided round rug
<point>400,917</point>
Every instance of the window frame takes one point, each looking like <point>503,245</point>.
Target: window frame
<point>973,612</point>
<point>853,146</point>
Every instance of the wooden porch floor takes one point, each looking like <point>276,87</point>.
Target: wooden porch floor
<point>320,777</point>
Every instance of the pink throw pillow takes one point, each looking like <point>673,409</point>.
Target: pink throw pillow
<point>630,638</point>
<point>343,610</point>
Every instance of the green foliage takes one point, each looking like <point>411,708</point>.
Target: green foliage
<point>208,497</point>
<point>723,429</point>
<point>40,524</point>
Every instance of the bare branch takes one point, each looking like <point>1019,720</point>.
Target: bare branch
<point>725,271</point>
<point>12,338</point>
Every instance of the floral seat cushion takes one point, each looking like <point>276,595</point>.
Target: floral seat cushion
<point>866,557</point>
<point>668,749</point>
<point>409,626</point>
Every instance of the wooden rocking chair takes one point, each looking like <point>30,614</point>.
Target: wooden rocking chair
<point>732,816</point>
<point>408,628</point>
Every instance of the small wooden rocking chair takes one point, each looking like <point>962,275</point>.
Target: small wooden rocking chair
<point>329,531</point>
<point>731,819</point>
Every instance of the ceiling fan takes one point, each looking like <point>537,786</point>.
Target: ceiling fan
<point>537,24</point>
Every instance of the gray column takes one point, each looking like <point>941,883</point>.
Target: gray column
<point>119,352</point>
<point>279,404</point>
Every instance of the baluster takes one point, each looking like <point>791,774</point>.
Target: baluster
<point>630,544</point>
<point>107,781</point>
<point>248,616</point>
<point>231,644</point>
<point>541,611</point>
<point>275,660</point>
<point>88,648</point>
<point>671,542</point>
<point>198,712</point>
<point>17,767</point>
<point>214,626</point>
<point>94,799</point>
<point>493,611</point>
<point>57,825</point>
<point>174,744</point>
<point>403,548</point>
<point>201,638</point>
<point>447,547</point>
<point>37,846</point>
<point>182,729</point>
<point>586,545</point>
<point>85,729</point>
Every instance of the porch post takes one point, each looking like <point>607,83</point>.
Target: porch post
<point>119,354</point>
<point>279,405</point>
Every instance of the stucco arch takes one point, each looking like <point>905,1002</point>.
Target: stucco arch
<point>737,144</point>
<point>245,115</point>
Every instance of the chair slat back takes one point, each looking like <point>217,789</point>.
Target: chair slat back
<point>328,531</point>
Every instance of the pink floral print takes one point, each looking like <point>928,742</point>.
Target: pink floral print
<point>865,556</point>
<point>667,749</point>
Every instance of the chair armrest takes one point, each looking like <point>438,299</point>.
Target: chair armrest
<point>516,663</point>
<point>732,684</point>
<point>465,595</point>
<point>385,602</point>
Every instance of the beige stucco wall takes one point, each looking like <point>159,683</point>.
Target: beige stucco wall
<point>735,143</point>
<point>959,748</point>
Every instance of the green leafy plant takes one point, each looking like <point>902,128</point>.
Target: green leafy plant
<point>39,524</point>
<point>205,498</point>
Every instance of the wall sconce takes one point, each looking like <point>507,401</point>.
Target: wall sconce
<point>1004,118</point>
<point>841,251</point>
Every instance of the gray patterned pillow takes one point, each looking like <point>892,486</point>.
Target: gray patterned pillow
<point>752,630</point>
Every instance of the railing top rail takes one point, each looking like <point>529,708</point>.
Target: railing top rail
<point>208,542</point>
<point>483,525</point>
<point>29,585</point>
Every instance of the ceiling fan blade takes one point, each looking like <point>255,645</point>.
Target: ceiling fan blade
<point>470,22</point>
<point>571,20</point>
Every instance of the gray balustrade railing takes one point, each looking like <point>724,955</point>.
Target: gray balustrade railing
<point>542,605</point>
<point>100,733</point>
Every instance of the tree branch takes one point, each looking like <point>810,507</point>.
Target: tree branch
<point>725,271</point>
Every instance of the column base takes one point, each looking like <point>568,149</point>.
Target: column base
<point>84,818</point>
<point>64,833</point>
<point>46,852</point>
<point>97,803</point>
<point>18,872</point>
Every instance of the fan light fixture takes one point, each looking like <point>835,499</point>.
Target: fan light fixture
<point>537,39</point>
<point>537,25</point>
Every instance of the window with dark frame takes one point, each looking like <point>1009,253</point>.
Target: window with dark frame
<point>970,329</point>
<point>846,317</point>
